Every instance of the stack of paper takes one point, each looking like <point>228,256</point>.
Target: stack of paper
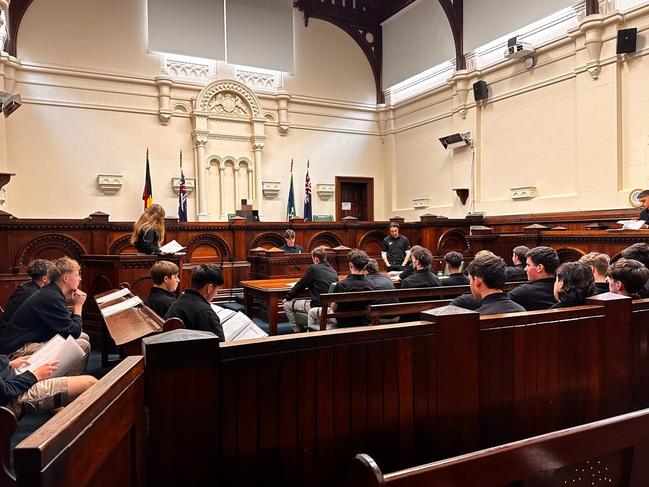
<point>631,224</point>
<point>67,351</point>
<point>171,248</point>
<point>121,306</point>
<point>112,296</point>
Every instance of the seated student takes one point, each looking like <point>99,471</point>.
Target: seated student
<point>381,281</point>
<point>33,392</point>
<point>456,276</point>
<point>468,300</point>
<point>627,277</point>
<point>149,230</point>
<point>517,272</point>
<point>487,276</point>
<point>395,249</point>
<point>639,252</point>
<point>574,283</point>
<point>542,263</point>
<point>166,277</point>
<point>598,264</point>
<point>316,279</point>
<point>290,247</point>
<point>643,197</point>
<point>356,281</point>
<point>45,314</point>
<point>422,276</point>
<point>193,306</point>
<point>39,270</point>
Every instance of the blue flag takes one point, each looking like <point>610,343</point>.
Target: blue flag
<point>182,194</point>
<point>308,210</point>
<point>290,207</point>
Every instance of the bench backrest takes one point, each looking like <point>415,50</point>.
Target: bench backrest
<point>607,452</point>
<point>98,439</point>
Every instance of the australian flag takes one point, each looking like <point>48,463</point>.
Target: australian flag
<point>308,209</point>
<point>182,194</point>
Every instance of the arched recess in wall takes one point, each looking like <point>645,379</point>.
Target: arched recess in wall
<point>372,242</point>
<point>453,239</point>
<point>207,248</point>
<point>267,241</point>
<point>49,246</point>
<point>327,239</point>
<point>122,245</point>
<point>569,254</point>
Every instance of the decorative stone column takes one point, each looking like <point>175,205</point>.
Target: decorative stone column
<point>251,185</point>
<point>237,188</point>
<point>164,84</point>
<point>282,111</point>
<point>222,214</point>
<point>256,151</point>
<point>200,140</point>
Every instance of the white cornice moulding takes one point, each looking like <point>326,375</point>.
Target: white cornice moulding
<point>190,185</point>
<point>325,191</point>
<point>523,193</point>
<point>419,203</point>
<point>271,189</point>
<point>110,184</point>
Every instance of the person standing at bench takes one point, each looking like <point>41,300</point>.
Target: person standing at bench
<point>598,264</point>
<point>316,279</point>
<point>517,272</point>
<point>165,276</point>
<point>395,249</point>
<point>149,230</point>
<point>456,276</point>
<point>574,283</point>
<point>45,314</point>
<point>356,281</point>
<point>33,392</point>
<point>542,263</point>
<point>290,247</point>
<point>487,276</point>
<point>627,277</point>
<point>422,275</point>
<point>643,197</point>
<point>639,252</point>
<point>39,270</point>
<point>193,306</point>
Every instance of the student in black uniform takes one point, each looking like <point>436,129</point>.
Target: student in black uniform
<point>316,279</point>
<point>626,277</point>
<point>395,249</point>
<point>193,306</point>
<point>456,276</point>
<point>39,270</point>
<point>356,281</point>
<point>516,273</point>
<point>598,264</point>
<point>574,283</point>
<point>542,263</point>
<point>639,252</point>
<point>381,282</point>
<point>149,230</point>
<point>422,275</point>
<point>643,197</point>
<point>165,276</point>
<point>45,314</point>
<point>487,277</point>
<point>290,247</point>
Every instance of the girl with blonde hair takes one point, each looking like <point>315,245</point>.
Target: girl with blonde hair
<point>149,230</point>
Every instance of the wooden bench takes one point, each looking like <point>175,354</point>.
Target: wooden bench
<point>294,410</point>
<point>612,451</point>
<point>98,439</point>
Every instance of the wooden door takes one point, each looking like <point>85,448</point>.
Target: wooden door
<point>355,197</point>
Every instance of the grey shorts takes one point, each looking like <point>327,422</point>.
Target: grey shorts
<point>43,396</point>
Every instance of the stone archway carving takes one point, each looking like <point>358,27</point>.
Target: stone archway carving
<point>227,119</point>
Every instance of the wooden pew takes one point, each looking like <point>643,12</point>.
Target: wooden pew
<point>612,452</point>
<point>98,439</point>
<point>376,312</point>
<point>640,353</point>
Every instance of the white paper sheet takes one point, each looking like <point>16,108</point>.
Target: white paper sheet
<point>112,296</point>
<point>171,248</point>
<point>240,327</point>
<point>122,306</point>
<point>66,351</point>
<point>223,313</point>
<point>631,224</point>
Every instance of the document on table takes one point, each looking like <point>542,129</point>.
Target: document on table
<point>631,224</point>
<point>66,350</point>
<point>113,296</point>
<point>122,306</point>
<point>240,327</point>
<point>171,248</point>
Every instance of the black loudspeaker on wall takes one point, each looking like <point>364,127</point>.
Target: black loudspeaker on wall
<point>480,90</point>
<point>626,40</point>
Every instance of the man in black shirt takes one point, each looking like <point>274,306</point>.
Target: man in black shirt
<point>456,276</point>
<point>422,275</point>
<point>39,270</point>
<point>542,263</point>
<point>165,276</point>
<point>517,272</point>
<point>193,306</point>
<point>355,282</point>
<point>487,277</point>
<point>643,197</point>
<point>598,264</point>
<point>316,279</point>
<point>395,250</point>
<point>289,247</point>
<point>626,277</point>
<point>639,252</point>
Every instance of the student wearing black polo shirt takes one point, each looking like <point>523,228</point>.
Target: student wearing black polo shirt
<point>381,281</point>
<point>316,279</point>
<point>626,277</point>
<point>598,264</point>
<point>639,252</point>
<point>355,282</point>
<point>456,276</point>
<point>165,276</point>
<point>290,247</point>
<point>517,272</point>
<point>573,285</point>
<point>487,277</point>
<point>39,270</point>
<point>149,230</point>
<point>643,197</point>
<point>542,263</point>
<point>422,275</point>
<point>395,250</point>
<point>193,306</point>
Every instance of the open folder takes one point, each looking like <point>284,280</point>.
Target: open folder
<point>66,350</point>
<point>237,326</point>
